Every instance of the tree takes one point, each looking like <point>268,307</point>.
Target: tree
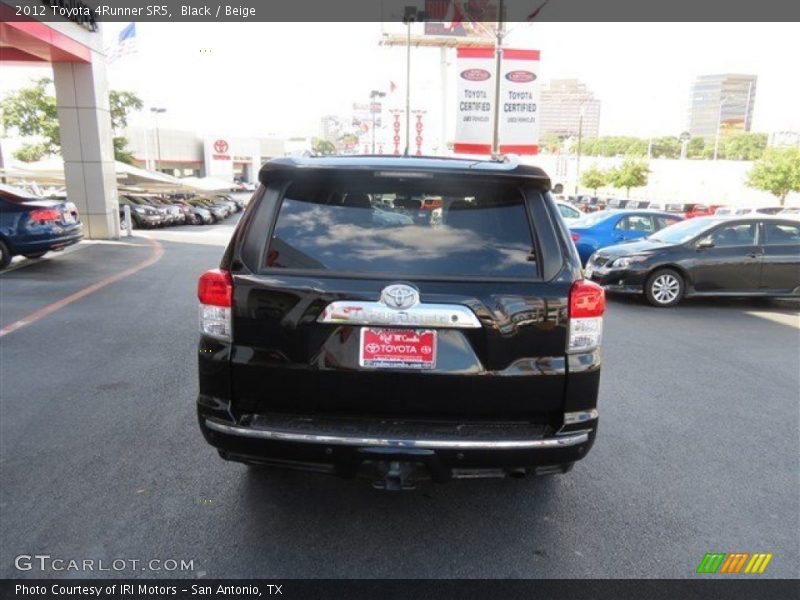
<point>593,178</point>
<point>665,147</point>
<point>320,146</point>
<point>630,174</point>
<point>743,146</point>
<point>695,147</point>
<point>121,105</point>
<point>32,112</point>
<point>550,143</point>
<point>778,172</point>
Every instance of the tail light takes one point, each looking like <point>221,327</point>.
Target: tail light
<point>587,303</point>
<point>45,215</point>
<point>215,292</point>
<point>575,236</point>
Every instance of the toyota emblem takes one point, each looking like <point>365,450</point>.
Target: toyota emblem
<point>399,296</point>
<point>221,146</point>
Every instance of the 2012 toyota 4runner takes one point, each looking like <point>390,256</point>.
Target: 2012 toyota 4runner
<point>350,328</point>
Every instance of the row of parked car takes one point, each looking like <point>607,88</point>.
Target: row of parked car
<point>689,210</point>
<point>150,210</point>
<point>667,256</point>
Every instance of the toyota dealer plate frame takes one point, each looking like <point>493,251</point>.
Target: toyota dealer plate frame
<point>392,348</point>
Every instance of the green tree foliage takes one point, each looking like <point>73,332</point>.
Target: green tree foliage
<point>550,143</point>
<point>593,178</point>
<point>778,172</point>
<point>630,174</point>
<point>665,147</point>
<point>743,146</point>
<point>121,105</point>
<point>736,146</point>
<point>695,147</point>
<point>31,111</point>
<point>320,146</point>
<point>614,146</point>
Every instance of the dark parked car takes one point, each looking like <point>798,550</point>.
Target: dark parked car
<point>32,226</point>
<point>605,228</point>
<point>142,216</point>
<point>757,255</point>
<point>333,340</point>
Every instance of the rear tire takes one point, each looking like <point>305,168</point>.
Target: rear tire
<point>35,255</point>
<point>5,255</point>
<point>664,288</point>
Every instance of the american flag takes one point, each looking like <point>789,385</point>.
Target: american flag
<point>124,45</point>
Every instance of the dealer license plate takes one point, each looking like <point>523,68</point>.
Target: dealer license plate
<point>397,348</point>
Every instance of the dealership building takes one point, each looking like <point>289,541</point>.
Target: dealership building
<point>184,153</point>
<point>74,49</point>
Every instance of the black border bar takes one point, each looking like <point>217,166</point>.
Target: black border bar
<point>702,587</point>
<point>393,10</point>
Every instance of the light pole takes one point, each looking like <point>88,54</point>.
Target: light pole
<point>498,62</point>
<point>157,111</point>
<point>372,95</point>
<point>578,150</point>
<point>719,125</point>
<point>411,15</point>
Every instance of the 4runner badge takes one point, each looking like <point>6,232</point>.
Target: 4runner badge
<point>399,296</point>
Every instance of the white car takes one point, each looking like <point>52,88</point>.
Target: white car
<point>738,211</point>
<point>569,213</point>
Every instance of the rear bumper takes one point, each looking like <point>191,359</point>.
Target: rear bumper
<point>57,242</point>
<point>352,447</point>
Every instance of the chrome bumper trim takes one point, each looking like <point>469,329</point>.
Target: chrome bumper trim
<point>348,312</point>
<point>346,440</point>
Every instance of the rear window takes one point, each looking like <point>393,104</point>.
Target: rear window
<point>391,229</point>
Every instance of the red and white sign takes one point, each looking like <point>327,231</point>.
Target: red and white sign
<point>519,99</point>
<point>397,348</point>
<point>519,102</point>
<point>475,94</point>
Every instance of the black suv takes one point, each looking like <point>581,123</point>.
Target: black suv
<point>348,331</point>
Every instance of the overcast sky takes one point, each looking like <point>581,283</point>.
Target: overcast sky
<point>263,78</point>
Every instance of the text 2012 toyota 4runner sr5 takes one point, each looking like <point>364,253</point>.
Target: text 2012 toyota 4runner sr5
<point>350,330</point>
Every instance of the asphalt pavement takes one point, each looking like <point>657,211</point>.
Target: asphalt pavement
<point>101,457</point>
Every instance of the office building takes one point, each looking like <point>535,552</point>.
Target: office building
<point>561,103</point>
<point>723,101</point>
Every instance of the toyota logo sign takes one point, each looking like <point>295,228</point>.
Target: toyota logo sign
<point>221,146</point>
<point>475,74</point>
<point>399,296</point>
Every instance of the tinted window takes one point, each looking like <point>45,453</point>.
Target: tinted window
<point>568,212</point>
<point>641,223</point>
<point>349,228</point>
<point>743,234</point>
<point>662,222</point>
<point>782,234</point>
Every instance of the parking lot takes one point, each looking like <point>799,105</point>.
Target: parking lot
<point>102,457</point>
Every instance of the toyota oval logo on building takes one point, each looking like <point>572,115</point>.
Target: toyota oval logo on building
<point>399,296</point>
<point>221,146</point>
<point>476,74</point>
<point>520,76</point>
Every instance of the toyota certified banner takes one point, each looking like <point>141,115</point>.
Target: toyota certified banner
<point>519,123</point>
<point>474,115</point>
<point>519,99</point>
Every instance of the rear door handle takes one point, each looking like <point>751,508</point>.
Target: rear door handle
<point>754,254</point>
